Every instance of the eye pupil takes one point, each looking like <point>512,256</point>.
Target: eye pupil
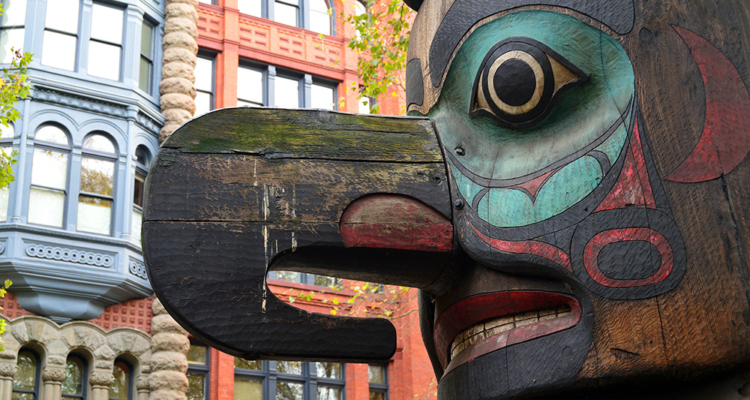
<point>514,82</point>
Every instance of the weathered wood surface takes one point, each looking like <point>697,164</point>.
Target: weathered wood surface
<point>238,192</point>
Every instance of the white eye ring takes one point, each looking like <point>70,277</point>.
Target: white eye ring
<point>538,74</point>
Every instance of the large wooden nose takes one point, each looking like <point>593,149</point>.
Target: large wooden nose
<point>242,191</point>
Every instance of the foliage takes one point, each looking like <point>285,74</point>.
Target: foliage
<point>3,324</point>
<point>381,40</point>
<point>14,84</point>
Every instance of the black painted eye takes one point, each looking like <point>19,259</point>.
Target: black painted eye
<point>519,80</point>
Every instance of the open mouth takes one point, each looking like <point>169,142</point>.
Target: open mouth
<point>483,323</point>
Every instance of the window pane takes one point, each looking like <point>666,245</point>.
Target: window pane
<point>59,50</point>
<point>202,103</point>
<point>73,383</point>
<point>329,393</point>
<point>120,388</point>
<point>106,23</point>
<point>329,370</point>
<point>248,364</point>
<point>376,373</point>
<point>99,143</point>
<point>142,156</point>
<point>289,276</point>
<point>94,215</point>
<point>147,40</point>
<point>46,207</point>
<point>25,378</point>
<point>289,367</point>
<point>22,396</point>
<point>285,14</point>
<point>51,134</point>
<point>144,77</point>
<point>62,15</point>
<point>250,7</point>
<point>364,105</point>
<point>4,196</point>
<point>377,396</point>
<point>97,176</point>
<point>197,354</point>
<point>248,104</point>
<point>50,168</point>
<point>197,386</point>
<point>320,20</point>
<point>10,38</point>
<point>138,189</point>
<point>104,60</point>
<point>248,389</point>
<point>322,280</point>
<point>15,12</point>
<point>135,229</point>
<point>287,92</point>
<point>204,70</point>
<point>288,391</point>
<point>322,97</point>
<point>250,85</point>
<point>7,132</point>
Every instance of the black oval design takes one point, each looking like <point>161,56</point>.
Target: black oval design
<point>515,84</point>
<point>629,260</point>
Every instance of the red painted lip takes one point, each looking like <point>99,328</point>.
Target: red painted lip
<point>476,309</point>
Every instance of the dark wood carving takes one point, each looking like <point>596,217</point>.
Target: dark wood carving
<point>573,206</point>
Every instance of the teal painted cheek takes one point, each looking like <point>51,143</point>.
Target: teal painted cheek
<point>467,188</point>
<point>612,147</point>
<point>509,208</point>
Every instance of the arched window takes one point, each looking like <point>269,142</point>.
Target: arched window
<point>26,380</point>
<point>49,177</point>
<point>143,159</point>
<point>74,385</point>
<point>320,18</point>
<point>95,199</point>
<point>6,144</point>
<point>121,387</point>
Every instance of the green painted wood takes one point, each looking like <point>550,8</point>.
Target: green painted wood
<point>276,133</point>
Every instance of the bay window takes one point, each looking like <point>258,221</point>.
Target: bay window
<point>105,46</point>
<point>147,57</point>
<point>143,158</point>
<point>6,145</point>
<point>95,199</point>
<point>11,28</point>
<point>60,42</point>
<point>49,177</point>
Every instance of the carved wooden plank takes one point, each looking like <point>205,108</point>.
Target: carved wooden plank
<point>310,134</point>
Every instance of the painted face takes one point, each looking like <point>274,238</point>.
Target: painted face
<point>575,249</point>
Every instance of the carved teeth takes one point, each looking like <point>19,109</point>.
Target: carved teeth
<point>496,326</point>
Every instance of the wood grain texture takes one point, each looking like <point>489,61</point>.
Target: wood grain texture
<point>239,192</point>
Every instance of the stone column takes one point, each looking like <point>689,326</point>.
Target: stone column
<point>7,372</point>
<point>180,47</point>
<point>100,384</point>
<point>52,378</point>
<point>169,347</point>
<point>142,386</point>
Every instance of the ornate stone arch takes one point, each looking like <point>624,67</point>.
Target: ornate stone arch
<point>98,346</point>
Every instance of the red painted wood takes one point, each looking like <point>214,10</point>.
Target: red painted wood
<point>633,187</point>
<point>725,141</point>
<point>475,309</point>
<point>534,185</point>
<point>540,249</point>
<point>598,242</point>
<point>395,222</point>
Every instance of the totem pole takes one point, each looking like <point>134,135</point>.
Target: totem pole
<point>570,193</point>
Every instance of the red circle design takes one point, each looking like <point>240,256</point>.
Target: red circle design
<point>598,242</point>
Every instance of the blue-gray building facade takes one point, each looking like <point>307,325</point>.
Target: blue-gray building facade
<point>70,222</point>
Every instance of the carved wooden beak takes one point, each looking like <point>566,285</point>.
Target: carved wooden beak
<point>242,191</point>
